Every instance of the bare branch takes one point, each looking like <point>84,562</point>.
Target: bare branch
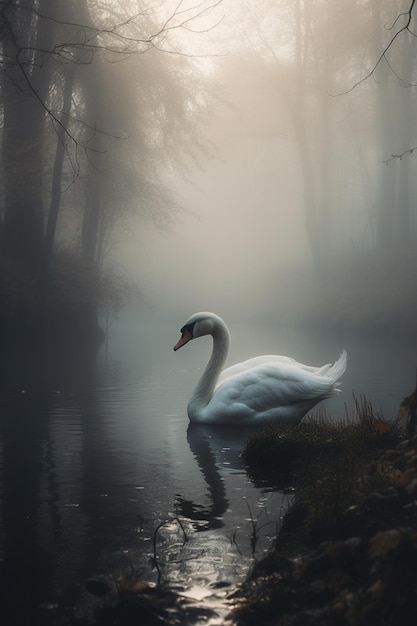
<point>393,157</point>
<point>109,42</point>
<point>383,55</point>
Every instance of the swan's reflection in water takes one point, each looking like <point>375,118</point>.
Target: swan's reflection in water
<point>218,451</point>
<point>229,523</point>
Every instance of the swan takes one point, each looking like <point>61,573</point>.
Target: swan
<point>264,388</point>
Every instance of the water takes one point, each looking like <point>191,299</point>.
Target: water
<point>101,474</point>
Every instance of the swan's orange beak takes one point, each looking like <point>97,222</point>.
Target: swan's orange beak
<point>185,338</point>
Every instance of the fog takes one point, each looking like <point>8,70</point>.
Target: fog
<point>227,242</point>
<point>255,160</point>
<point>296,205</point>
<point>240,225</point>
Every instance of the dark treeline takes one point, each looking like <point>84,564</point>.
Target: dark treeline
<point>91,109</point>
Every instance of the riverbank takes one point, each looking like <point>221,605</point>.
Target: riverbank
<point>347,551</point>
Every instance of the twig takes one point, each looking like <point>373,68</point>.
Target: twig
<point>154,542</point>
<point>399,156</point>
<point>383,54</point>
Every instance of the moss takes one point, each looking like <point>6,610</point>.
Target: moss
<point>288,454</point>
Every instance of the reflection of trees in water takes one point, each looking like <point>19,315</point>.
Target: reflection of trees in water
<point>58,460</point>
<point>26,568</point>
<point>35,538</point>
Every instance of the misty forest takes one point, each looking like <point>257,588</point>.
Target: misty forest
<point>301,113</point>
<point>159,158</point>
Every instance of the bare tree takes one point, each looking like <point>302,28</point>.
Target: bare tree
<point>56,126</point>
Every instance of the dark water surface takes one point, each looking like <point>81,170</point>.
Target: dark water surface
<point>101,474</point>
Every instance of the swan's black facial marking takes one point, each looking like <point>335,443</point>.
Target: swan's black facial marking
<point>187,333</point>
<point>189,327</point>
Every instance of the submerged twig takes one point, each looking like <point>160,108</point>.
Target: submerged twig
<point>155,561</point>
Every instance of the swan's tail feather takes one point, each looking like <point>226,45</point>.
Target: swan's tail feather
<point>337,369</point>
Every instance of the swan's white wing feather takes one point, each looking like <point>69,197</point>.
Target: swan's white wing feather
<point>268,391</point>
<point>273,384</point>
<point>274,388</point>
<point>270,359</point>
<point>249,364</point>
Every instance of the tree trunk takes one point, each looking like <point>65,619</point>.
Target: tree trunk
<point>386,193</point>
<point>302,140</point>
<point>22,166</point>
<point>56,181</point>
<point>24,89</point>
<point>90,226</point>
<point>406,116</point>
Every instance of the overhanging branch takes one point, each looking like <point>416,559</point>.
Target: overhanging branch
<point>110,42</point>
<point>383,56</point>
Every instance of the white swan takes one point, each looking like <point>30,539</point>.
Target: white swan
<point>269,387</point>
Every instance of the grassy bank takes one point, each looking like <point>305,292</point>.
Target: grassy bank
<point>347,551</point>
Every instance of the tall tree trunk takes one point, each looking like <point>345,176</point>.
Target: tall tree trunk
<point>302,139</point>
<point>90,225</point>
<point>386,192</point>
<point>406,116</point>
<point>388,175</point>
<point>22,166</point>
<point>24,88</point>
<point>56,181</point>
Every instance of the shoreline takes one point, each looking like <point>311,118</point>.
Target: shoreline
<point>347,551</point>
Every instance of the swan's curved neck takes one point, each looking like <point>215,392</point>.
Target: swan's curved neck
<point>205,386</point>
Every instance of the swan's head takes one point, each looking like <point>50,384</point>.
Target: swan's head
<point>198,325</point>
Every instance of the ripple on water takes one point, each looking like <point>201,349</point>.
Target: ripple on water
<point>205,604</point>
